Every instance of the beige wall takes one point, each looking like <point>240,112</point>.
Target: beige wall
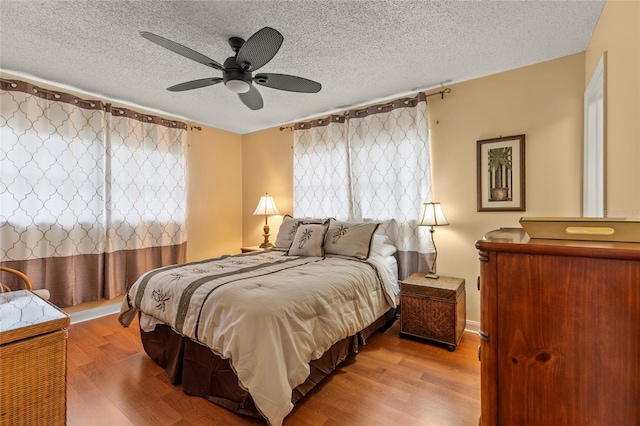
<point>214,193</point>
<point>543,101</point>
<point>267,167</point>
<point>618,33</point>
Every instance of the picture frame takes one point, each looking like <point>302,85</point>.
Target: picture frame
<point>501,174</point>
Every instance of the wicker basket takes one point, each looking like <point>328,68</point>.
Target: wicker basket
<point>32,360</point>
<point>33,385</point>
<point>433,309</point>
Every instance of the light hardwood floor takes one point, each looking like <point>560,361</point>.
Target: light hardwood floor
<point>392,381</point>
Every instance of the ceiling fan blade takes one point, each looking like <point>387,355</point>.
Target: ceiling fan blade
<point>259,49</point>
<point>195,84</point>
<point>182,50</point>
<point>290,83</point>
<point>252,98</point>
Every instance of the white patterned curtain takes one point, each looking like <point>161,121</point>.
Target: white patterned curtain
<point>88,201</point>
<point>385,153</point>
<point>145,202</point>
<point>146,176</point>
<point>321,171</point>
<point>51,185</point>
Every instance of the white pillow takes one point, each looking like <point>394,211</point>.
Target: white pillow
<point>382,246</point>
<point>378,241</point>
<point>387,250</point>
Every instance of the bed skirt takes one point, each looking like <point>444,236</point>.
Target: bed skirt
<point>203,373</point>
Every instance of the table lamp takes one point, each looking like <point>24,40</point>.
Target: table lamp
<point>266,207</point>
<point>432,216</point>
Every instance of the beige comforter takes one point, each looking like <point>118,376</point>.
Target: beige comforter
<point>270,314</point>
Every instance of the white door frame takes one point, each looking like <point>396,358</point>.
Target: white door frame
<point>594,170</point>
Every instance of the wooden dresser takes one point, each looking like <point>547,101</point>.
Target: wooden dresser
<point>559,330</point>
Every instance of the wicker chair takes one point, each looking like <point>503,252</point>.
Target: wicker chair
<point>43,293</point>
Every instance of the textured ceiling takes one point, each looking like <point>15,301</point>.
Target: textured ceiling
<point>361,51</point>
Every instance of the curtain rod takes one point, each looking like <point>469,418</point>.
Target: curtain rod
<point>380,106</point>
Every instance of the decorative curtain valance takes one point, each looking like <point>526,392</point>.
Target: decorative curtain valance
<point>88,104</point>
<point>144,118</point>
<point>91,196</point>
<point>359,113</point>
<point>50,95</point>
<point>371,164</point>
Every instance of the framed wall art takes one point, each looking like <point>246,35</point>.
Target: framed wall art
<point>501,174</point>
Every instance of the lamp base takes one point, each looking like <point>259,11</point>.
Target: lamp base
<point>432,275</point>
<point>266,245</point>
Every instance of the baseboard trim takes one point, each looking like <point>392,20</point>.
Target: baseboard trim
<point>114,308</point>
<point>94,313</point>
<point>472,327</point>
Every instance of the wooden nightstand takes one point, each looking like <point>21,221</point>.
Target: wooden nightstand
<point>250,249</point>
<point>433,309</point>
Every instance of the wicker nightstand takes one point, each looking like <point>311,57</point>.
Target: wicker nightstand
<point>433,309</point>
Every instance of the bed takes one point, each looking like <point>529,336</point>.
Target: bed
<point>255,332</point>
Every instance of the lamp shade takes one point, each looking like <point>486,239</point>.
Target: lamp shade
<point>266,206</point>
<point>432,215</point>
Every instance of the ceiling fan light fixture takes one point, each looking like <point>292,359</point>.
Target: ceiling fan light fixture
<point>237,70</point>
<point>238,86</point>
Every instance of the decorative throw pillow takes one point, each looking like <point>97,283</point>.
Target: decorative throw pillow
<point>309,240</point>
<point>288,230</point>
<point>350,238</point>
<point>286,233</point>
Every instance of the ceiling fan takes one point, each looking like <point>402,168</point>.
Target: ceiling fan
<point>237,71</point>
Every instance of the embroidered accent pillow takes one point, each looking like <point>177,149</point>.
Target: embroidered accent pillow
<point>286,233</point>
<point>288,230</point>
<point>309,240</point>
<point>352,239</point>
